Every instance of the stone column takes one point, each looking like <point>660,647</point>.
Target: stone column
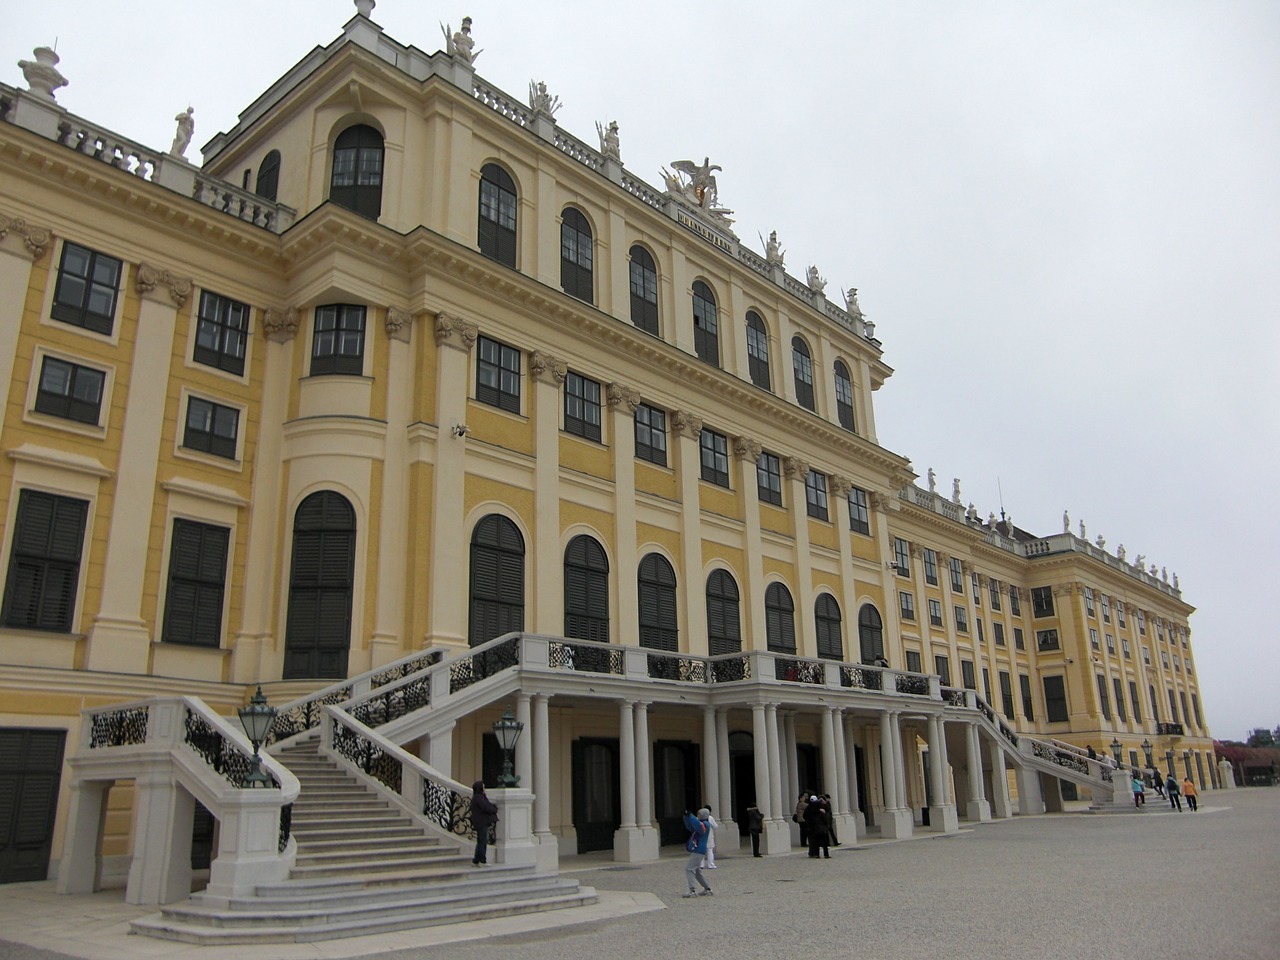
<point>1001,808</point>
<point>389,642</point>
<point>548,848</point>
<point>942,812</point>
<point>20,246</point>
<point>896,821</point>
<point>746,454</point>
<point>1030,799</point>
<point>796,470</point>
<point>759,745</point>
<point>524,746</point>
<point>454,340</point>
<point>548,374</point>
<point>627,763</point>
<point>644,764</point>
<point>687,430</point>
<point>830,766</point>
<point>119,641</point>
<point>851,768</point>
<point>710,762</point>
<point>161,868</point>
<point>728,821</point>
<point>791,765</point>
<point>623,401</point>
<point>977,809</point>
<point>777,835</point>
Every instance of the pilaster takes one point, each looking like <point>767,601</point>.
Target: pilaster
<point>796,470</point>
<point>20,246</point>
<point>548,374</point>
<point>622,401</point>
<point>687,430</point>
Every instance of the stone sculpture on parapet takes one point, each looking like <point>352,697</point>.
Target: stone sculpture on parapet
<point>609,144</point>
<point>42,74</point>
<point>541,102</point>
<point>460,44</point>
<point>182,137</point>
<point>817,283</point>
<point>773,252</point>
<point>955,490</point>
<point>695,184</point>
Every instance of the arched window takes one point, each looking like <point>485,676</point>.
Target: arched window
<point>317,633</point>
<point>586,590</point>
<point>870,633</point>
<point>496,231</point>
<point>844,396</point>
<point>659,627</point>
<point>826,615</point>
<point>497,580</point>
<point>268,176</point>
<point>576,255</point>
<point>779,619</point>
<point>724,624</point>
<point>758,351</point>
<point>644,290</point>
<point>802,363</point>
<point>357,171</point>
<point>706,340</point>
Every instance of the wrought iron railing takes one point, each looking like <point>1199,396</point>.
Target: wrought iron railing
<point>391,702</point>
<point>405,668</point>
<point>305,714</point>
<point>795,670</point>
<point>729,669</point>
<point>670,666</point>
<point>954,696</point>
<point>1169,730</point>
<point>914,684</point>
<point>585,657</point>
<point>224,756</point>
<point>861,677</point>
<point>119,728</point>
<point>449,809</point>
<point>1062,758</point>
<point>368,756</point>
<point>483,663</point>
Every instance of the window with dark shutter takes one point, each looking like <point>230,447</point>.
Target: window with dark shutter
<point>1006,693</point>
<point>1024,683</point>
<point>644,290</point>
<point>586,590</point>
<point>844,396</point>
<point>44,562</point>
<point>1055,699</point>
<point>706,325</point>
<point>870,634</point>
<point>802,366</point>
<point>659,624</point>
<point>70,391</point>
<point>221,333</point>
<point>497,580</point>
<point>724,625</point>
<point>321,581</point>
<point>356,182</point>
<point>826,614</point>
<point>779,619</point>
<point>337,344</point>
<point>197,584</point>
<point>758,351</point>
<point>496,230</point>
<point>268,176</point>
<point>576,255</point>
<point>498,375</point>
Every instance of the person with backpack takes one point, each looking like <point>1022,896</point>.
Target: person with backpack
<point>697,847</point>
<point>1174,794</point>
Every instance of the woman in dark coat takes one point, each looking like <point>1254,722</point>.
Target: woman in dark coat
<point>818,818</point>
<point>483,816</point>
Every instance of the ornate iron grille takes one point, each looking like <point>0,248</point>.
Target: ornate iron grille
<point>953,696</point>
<point>286,823</point>
<point>730,669</point>
<point>223,755</point>
<point>986,709</point>
<point>861,677</point>
<point>680,669</point>
<point>119,728</point>
<point>1061,757</point>
<point>368,756</point>
<point>305,715</point>
<point>486,663</point>
<point>799,671</point>
<point>384,707</point>
<point>1008,734</point>
<point>582,658</point>
<point>912,684</point>
<point>448,808</point>
<point>392,674</point>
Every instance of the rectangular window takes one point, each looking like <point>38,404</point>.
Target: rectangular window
<point>1093,638</point>
<point>1146,655</point>
<point>942,667</point>
<point>498,375</point>
<point>935,613</point>
<point>815,494</point>
<point>1120,613</point>
<point>1006,693</point>
<point>197,583</point>
<point>859,518</point>
<point>338,344</point>
<point>211,428</point>
<point>907,605</point>
<point>930,567</point>
<point>995,594</point>
<point>977,589</point>
<point>967,676</point>
<point>1106,609</point>
<point>1015,601</point>
<point>88,283</point>
<point>1164,658</point>
<point>1042,601</point>
<point>70,391</point>
<point>962,619</point>
<point>1142,624</point>
<point>1133,699</point>
<point>901,557</point>
<point>1019,641</point>
<point>1111,644</point>
<point>651,434</point>
<point>1055,699</point>
<point>957,576</point>
<point>1118,688</point>
<point>582,406</point>
<point>913,662</point>
<point>1124,646</point>
<point>978,624</point>
<point>1195,709</point>
<point>998,629</point>
<point>1047,639</point>
<point>1177,663</point>
<point>769,479</point>
<point>44,562</point>
<point>1088,601</point>
<point>986,684</point>
<point>1104,698</point>
<point>715,457</point>
<point>1173,708</point>
<point>222,331</point>
<point>1024,685</point>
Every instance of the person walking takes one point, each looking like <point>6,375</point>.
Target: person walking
<point>1173,793</point>
<point>1157,781</point>
<point>1191,793</point>
<point>483,817</point>
<point>818,819</point>
<point>697,847</point>
<point>709,861</point>
<point>755,825</point>
<point>802,805</point>
<point>1139,792</point>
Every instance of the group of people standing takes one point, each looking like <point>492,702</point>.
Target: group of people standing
<point>1167,787</point>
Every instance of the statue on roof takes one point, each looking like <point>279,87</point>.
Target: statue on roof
<point>1083,535</point>
<point>773,252</point>
<point>609,145</point>
<point>1120,553</point>
<point>1138,563</point>
<point>1176,585</point>
<point>851,304</point>
<point>1101,542</point>
<point>955,490</point>
<point>933,481</point>
<point>42,74</point>
<point>540,101</point>
<point>1066,522</point>
<point>182,137</point>
<point>460,44</point>
<point>700,188</point>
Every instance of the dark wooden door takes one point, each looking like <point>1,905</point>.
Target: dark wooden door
<point>597,809</point>
<point>30,771</point>
<point>677,788</point>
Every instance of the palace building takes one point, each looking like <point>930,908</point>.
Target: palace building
<point>412,407</point>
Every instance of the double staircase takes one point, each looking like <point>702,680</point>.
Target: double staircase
<point>363,866</point>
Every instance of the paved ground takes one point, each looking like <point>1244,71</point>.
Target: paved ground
<point>1201,886</point>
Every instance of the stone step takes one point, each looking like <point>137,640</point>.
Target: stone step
<point>365,867</point>
<point>355,807</point>
<point>309,857</point>
<point>358,832</point>
<point>453,872</point>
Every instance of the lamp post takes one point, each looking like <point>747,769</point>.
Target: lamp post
<point>257,719</point>
<point>1116,747</point>
<point>1146,749</point>
<point>507,729</point>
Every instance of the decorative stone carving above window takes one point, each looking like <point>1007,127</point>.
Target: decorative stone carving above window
<point>149,277</point>
<point>280,324</point>
<point>36,239</point>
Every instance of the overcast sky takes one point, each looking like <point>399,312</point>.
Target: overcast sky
<point>1064,219</point>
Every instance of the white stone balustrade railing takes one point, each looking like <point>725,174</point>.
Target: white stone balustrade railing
<point>243,204</point>
<point>568,144</point>
<point>496,100</point>
<point>642,191</point>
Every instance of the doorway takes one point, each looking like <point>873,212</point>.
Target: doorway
<point>30,773</point>
<point>677,787</point>
<point>597,809</point>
